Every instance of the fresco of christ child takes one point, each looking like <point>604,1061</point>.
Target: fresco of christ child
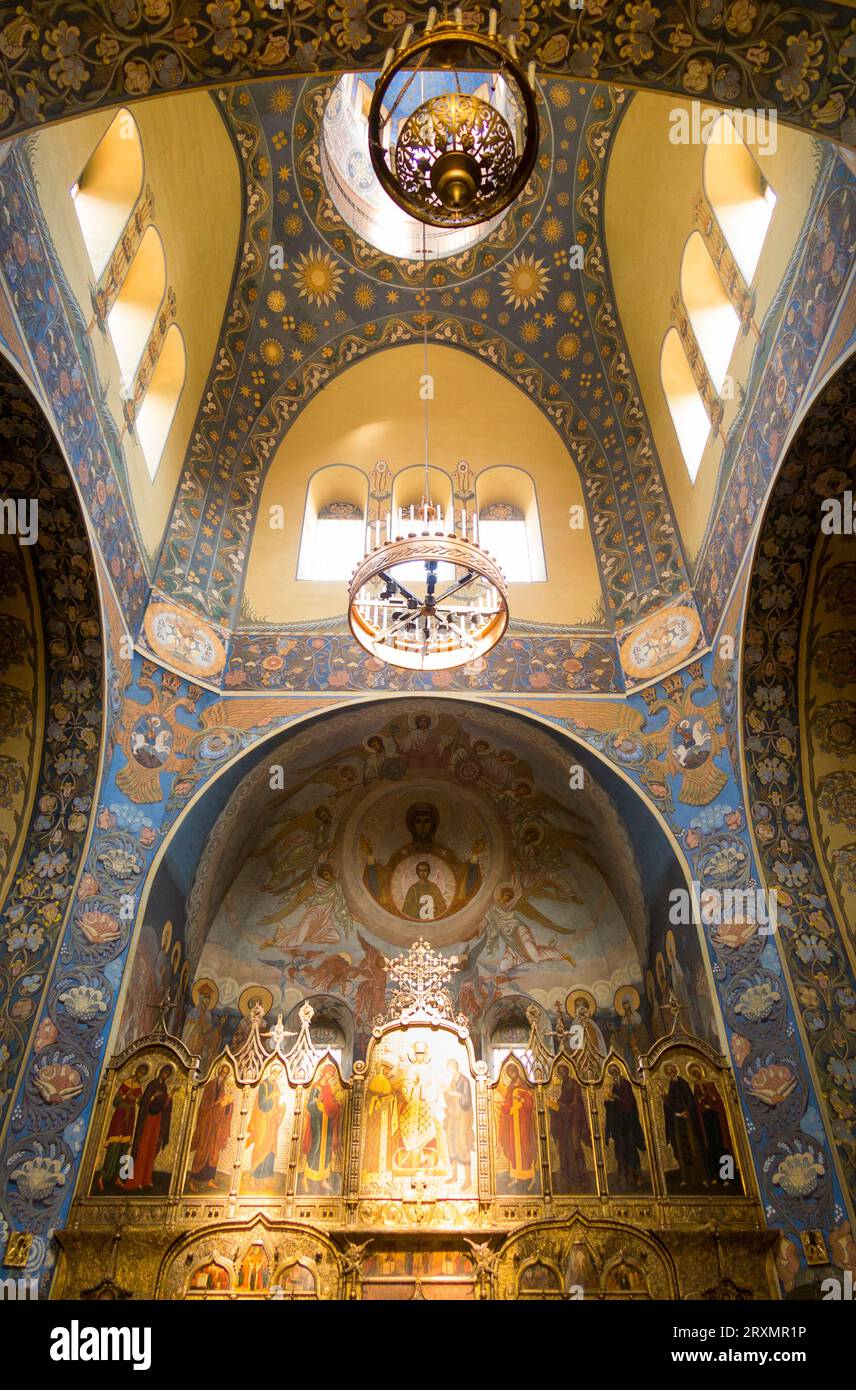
<point>422,820</point>
<point>423,898</point>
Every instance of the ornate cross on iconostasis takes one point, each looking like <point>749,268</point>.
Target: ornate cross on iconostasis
<point>420,978</point>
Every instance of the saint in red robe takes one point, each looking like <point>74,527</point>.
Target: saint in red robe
<point>517,1127</point>
<point>152,1131</point>
<point>211,1133</point>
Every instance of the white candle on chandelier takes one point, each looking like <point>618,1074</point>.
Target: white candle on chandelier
<point>389,525</point>
<point>475,528</point>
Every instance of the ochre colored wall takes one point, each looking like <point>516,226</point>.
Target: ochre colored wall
<point>475,415</point>
<point>191,166</point>
<point>650,188</point>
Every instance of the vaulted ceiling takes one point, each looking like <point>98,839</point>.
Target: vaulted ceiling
<point>294,322</point>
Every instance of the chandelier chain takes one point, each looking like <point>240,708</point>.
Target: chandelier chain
<point>425,377</point>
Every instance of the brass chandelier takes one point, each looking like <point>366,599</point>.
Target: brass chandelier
<point>428,598</point>
<point>457,159</point>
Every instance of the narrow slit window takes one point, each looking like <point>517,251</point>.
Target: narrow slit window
<point>738,191</point>
<point>108,188</point>
<point>133,314</point>
<point>686,406</point>
<point>160,402</point>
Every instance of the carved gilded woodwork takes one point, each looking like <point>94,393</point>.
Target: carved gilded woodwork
<point>419,1176</point>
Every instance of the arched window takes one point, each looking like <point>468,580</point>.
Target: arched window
<point>506,1029</point>
<point>686,407</point>
<point>710,311</point>
<point>738,192</point>
<point>509,526</point>
<point>333,537</point>
<point>331,1028</point>
<point>135,309</point>
<point>160,402</point>
<point>109,186</point>
<point>408,491</point>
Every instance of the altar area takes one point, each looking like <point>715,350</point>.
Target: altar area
<point>419,1175</point>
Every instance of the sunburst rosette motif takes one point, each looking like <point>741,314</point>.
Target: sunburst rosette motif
<point>317,277</point>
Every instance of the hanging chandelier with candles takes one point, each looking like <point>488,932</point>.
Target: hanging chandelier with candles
<point>426,596</point>
<point>460,157</point>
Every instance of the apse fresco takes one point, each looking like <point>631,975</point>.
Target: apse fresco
<point>457,828</point>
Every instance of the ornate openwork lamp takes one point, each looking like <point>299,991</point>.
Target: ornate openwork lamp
<point>429,598</point>
<point>459,157</point>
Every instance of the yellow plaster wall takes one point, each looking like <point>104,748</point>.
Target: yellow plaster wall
<point>373,411</point>
<point>650,188</point>
<point>191,166</point>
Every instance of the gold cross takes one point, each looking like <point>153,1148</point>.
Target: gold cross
<point>419,1184</point>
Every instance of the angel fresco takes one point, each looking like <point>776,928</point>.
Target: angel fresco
<point>370,978</point>
<point>325,918</point>
<point>507,933</point>
<point>540,866</point>
<point>299,843</point>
